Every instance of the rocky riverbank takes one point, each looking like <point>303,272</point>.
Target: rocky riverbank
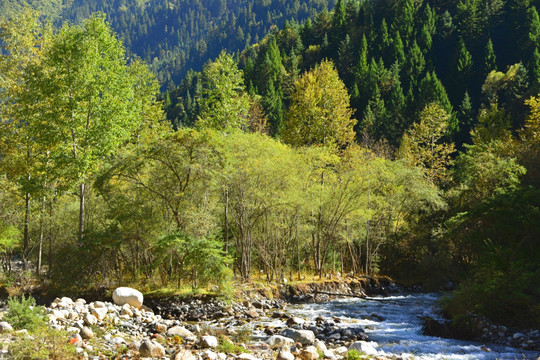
<point>199,331</point>
<point>206,328</point>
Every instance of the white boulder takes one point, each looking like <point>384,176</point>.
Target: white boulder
<point>126,295</point>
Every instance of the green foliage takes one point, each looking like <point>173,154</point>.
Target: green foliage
<point>228,347</point>
<point>422,145</point>
<point>199,260</point>
<point>224,104</point>
<point>24,314</point>
<point>45,344</point>
<point>353,355</point>
<point>319,112</point>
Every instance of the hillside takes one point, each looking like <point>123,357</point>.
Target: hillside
<point>174,36</point>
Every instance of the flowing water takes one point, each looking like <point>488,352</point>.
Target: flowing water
<point>400,331</point>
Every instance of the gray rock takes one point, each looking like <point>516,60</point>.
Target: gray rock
<point>209,355</point>
<point>126,295</point>
<point>304,337</point>
<point>518,335</point>
<point>90,319</point>
<point>208,341</point>
<point>245,356</point>
<point>160,328</point>
<point>5,327</point>
<point>320,345</point>
<point>184,354</point>
<point>180,331</point>
<point>309,353</point>
<point>328,354</point>
<point>365,347</point>
<point>285,355</point>
<point>279,342</point>
<point>87,333</point>
<point>152,349</point>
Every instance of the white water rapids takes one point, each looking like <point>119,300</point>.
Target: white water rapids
<point>400,332</point>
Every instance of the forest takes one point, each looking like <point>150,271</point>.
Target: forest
<point>357,141</point>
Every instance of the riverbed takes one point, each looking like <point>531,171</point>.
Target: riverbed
<point>394,324</point>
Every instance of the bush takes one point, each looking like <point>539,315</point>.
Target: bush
<point>353,355</point>
<point>47,344</point>
<point>24,314</point>
<point>228,347</point>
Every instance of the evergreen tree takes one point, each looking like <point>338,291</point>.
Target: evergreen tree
<point>490,61</point>
<point>273,106</point>
<point>397,53</point>
<point>414,65</point>
<point>534,72</point>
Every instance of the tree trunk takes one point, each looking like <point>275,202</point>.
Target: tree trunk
<point>227,221</point>
<point>81,213</point>
<point>26,229</point>
<point>41,231</point>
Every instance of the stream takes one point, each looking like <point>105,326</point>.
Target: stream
<point>400,331</point>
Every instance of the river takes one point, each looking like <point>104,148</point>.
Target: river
<point>399,333</point>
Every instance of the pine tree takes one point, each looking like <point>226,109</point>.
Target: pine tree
<point>397,53</point>
<point>273,106</point>
<point>465,118</point>
<point>414,65</point>
<point>490,61</point>
<point>433,91</point>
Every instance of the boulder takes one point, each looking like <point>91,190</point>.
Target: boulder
<point>126,295</point>
<point>279,342</point>
<point>209,341</point>
<point>365,347</point>
<point>304,337</point>
<point>309,353</point>
<point>99,313</point>
<point>87,333</point>
<point>151,349</point>
<point>160,328</point>
<point>209,355</point>
<point>285,355</point>
<point>245,356</point>
<point>5,327</point>
<point>295,321</point>
<point>90,319</point>
<point>180,331</point>
<point>184,354</point>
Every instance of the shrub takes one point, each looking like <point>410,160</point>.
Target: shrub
<point>24,314</point>
<point>228,347</point>
<point>47,344</point>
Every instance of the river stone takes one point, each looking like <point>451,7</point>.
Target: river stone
<point>285,355</point>
<point>295,321</point>
<point>99,313</point>
<point>160,328</point>
<point>184,354</point>
<point>304,337</point>
<point>5,327</point>
<point>87,333</point>
<point>180,331</point>
<point>309,353</point>
<point>152,349</point>
<point>245,356</point>
<point>209,355</point>
<point>209,341</point>
<point>365,347</point>
<point>90,319</point>
<point>328,354</point>
<point>320,345</point>
<point>126,295</point>
<point>279,342</point>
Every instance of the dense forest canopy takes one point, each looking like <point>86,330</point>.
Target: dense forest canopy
<point>392,137</point>
<point>173,36</point>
